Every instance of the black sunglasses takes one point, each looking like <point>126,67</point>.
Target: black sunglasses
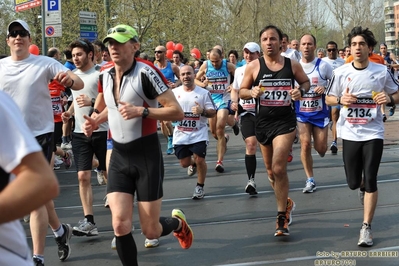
<point>331,50</point>
<point>21,33</point>
<point>158,52</point>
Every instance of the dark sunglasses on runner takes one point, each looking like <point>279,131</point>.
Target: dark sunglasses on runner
<point>21,33</point>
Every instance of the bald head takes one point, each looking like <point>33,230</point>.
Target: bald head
<point>186,68</point>
<point>215,52</point>
<point>160,48</point>
<point>295,45</point>
<point>220,48</point>
<point>187,76</point>
<point>160,54</point>
<point>216,58</point>
<point>54,53</point>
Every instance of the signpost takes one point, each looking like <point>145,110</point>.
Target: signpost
<point>53,24</point>
<point>84,27</point>
<point>88,25</point>
<point>21,5</point>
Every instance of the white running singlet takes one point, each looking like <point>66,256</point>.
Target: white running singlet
<point>361,121</point>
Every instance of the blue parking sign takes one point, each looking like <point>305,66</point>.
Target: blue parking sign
<point>53,5</point>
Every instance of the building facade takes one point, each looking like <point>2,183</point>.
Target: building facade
<point>391,18</point>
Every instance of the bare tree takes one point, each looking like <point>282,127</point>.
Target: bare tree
<point>292,20</point>
<point>339,10</point>
<point>6,15</point>
<point>365,12</point>
<point>317,17</point>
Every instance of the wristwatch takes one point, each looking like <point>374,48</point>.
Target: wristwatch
<point>145,113</point>
<point>302,90</point>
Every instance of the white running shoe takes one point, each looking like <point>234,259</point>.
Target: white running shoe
<point>66,146</point>
<point>113,243</point>
<point>198,192</point>
<point>366,237</point>
<point>151,243</point>
<point>100,177</point>
<point>310,186</point>
<point>85,228</point>
<point>191,170</point>
<point>58,160</point>
<point>251,187</point>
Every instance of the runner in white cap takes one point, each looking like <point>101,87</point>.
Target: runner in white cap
<point>246,111</point>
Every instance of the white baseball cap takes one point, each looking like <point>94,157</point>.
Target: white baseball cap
<point>252,47</point>
<point>20,22</point>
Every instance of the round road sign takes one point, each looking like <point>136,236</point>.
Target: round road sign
<point>50,31</point>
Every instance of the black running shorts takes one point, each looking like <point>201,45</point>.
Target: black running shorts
<point>198,148</point>
<point>362,158</point>
<point>248,125</point>
<point>46,142</point>
<point>266,134</point>
<point>57,134</point>
<point>84,148</point>
<point>138,167</point>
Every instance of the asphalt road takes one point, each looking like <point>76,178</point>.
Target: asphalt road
<point>232,228</point>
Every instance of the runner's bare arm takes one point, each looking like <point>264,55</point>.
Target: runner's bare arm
<point>200,74</point>
<point>246,90</point>
<point>171,110</point>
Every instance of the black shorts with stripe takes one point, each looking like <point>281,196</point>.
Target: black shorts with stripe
<point>137,167</point>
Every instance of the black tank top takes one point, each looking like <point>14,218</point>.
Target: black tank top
<point>283,77</point>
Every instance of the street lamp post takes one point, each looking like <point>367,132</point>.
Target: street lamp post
<point>107,14</point>
<point>44,44</point>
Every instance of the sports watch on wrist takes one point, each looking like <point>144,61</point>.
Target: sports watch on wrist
<point>145,113</point>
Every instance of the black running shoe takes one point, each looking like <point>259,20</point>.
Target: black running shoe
<point>392,110</point>
<point>37,262</point>
<point>334,148</point>
<point>236,129</point>
<point>282,226</point>
<point>64,250</point>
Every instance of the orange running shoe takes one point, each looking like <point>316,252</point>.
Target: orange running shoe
<point>288,211</point>
<point>185,235</point>
<point>282,226</point>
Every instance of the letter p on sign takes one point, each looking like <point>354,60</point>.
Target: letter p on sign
<point>53,5</point>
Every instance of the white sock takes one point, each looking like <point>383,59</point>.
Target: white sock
<point>59,231</point>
